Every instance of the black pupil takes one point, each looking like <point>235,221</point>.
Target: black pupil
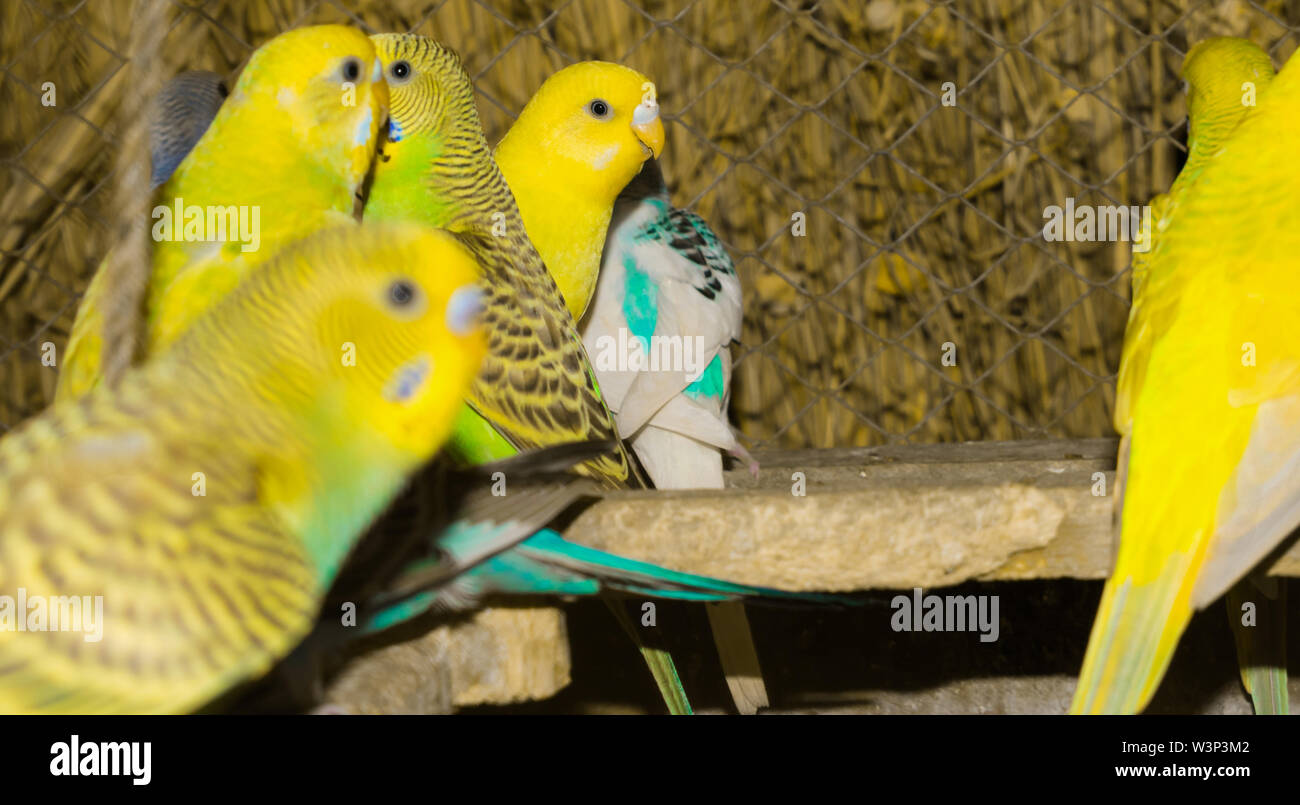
<point>352,69</point>
<point>401,292</point>
<point>401,69</point>
<point>599,108</point>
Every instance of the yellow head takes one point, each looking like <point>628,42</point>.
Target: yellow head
<point>407,302</point>
<point>1216,72</point>
<point>436,160</point>
<point>320,88</point>
<point>431,91</point>
<point>593,124</point>
<point>375,325</point>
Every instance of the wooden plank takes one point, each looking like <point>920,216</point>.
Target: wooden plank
<point>498,656</point>
<point>884,518</point>
<point>870,518</point>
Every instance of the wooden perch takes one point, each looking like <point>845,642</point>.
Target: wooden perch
<point>871,518</point>
<point>885,518</point>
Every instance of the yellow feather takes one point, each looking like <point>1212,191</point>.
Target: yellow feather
<point>296,451</point>
<point>288,150</point>
<point>1212,337</point>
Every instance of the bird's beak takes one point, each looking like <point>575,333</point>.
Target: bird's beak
<point>379,89</point>
<point>649,128</point>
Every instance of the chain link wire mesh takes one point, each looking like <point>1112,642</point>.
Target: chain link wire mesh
<point>876,227</point>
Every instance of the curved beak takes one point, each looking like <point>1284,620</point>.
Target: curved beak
<point>464,308</point>
<point>649,128</point>
<point>365,140</point>
<point>379,91</point>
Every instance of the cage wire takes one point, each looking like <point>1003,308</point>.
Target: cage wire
<point>921,220</point>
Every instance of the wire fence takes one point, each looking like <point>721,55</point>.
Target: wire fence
<point>879,170</point>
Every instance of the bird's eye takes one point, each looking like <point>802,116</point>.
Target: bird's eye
<point>598,109</point>
<point>351,68</point>
<point>401,293</point>
<point>400,70</point>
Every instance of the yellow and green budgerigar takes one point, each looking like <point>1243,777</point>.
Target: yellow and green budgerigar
<point>537,387</point>
<point>284,157</point>
<point>208,501</point>
<point>1209,392</point>
<point>577,143</point>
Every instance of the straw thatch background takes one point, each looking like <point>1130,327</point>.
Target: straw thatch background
<point>923,221</point>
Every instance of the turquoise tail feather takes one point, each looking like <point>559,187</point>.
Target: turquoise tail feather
<point>621,574</point>
<point>548,564</point>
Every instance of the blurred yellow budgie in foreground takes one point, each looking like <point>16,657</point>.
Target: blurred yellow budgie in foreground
<point>284,157</point>
<point>1209,387</point>
<point>210,499</point>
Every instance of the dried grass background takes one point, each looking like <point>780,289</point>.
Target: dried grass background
<point>923,221</point>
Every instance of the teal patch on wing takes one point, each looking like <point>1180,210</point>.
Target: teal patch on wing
<point>710,383</point>
<point>640,303</point>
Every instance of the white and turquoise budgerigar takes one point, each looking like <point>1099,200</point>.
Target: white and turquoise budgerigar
<point>668,287</point>
<point>667,281</point>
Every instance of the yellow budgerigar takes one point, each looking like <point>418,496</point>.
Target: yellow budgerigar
<point>1224,77</point>
<point>284,157</point>
<point>186,524</point>
<point>576,145</point>
<point>1209,391</point>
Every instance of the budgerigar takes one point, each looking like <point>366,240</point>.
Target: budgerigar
<point>180,115</point>
<point>668,287</point>
<point>537,387</point>
<point>1210,382</point>
<point>666,279</point>
<point>1222,74</point>
<point>212,496</point>
<point>283,157</point>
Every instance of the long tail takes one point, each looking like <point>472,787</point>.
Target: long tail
<point>1132,641</point>
<point>631,577</point>
<point>548,564</point>
<point>549,556</point>
<point>657,659</point>
<point>1261,643</point>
